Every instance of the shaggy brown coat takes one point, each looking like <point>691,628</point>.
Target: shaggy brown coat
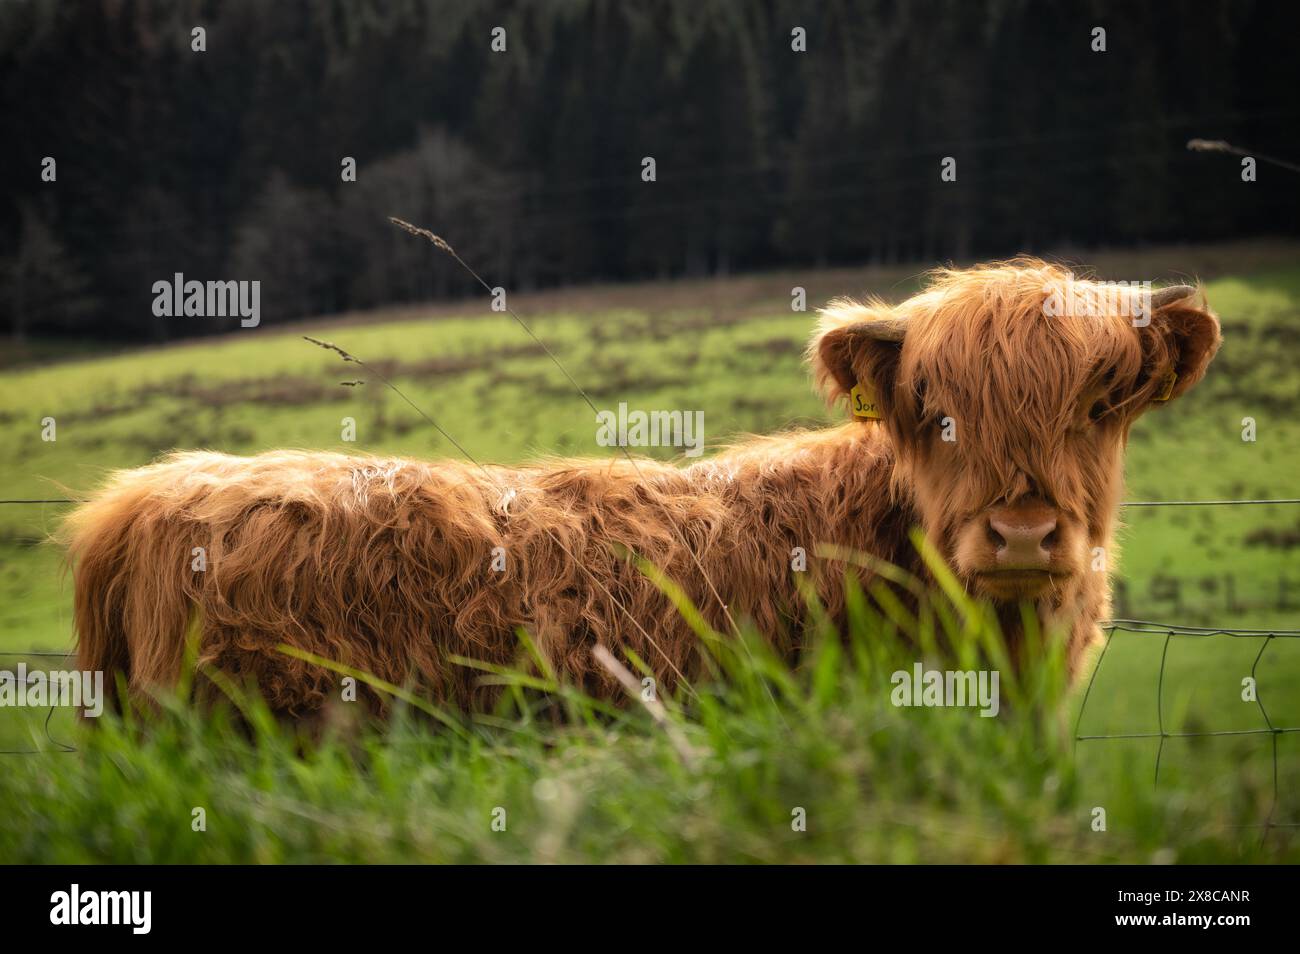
<point>386,564</point>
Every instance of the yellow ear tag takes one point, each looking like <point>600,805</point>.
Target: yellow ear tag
<point>1167,388</point>
<point>863,401</point>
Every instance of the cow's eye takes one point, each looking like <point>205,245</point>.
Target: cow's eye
<point>1101,407</point>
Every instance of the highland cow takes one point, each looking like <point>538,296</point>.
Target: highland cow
<point>980,413</point>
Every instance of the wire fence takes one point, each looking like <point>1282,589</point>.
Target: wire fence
<point>57,746</point>
<point>1110,627</point>
<point>1142,627</point>
<point>1127,503</point>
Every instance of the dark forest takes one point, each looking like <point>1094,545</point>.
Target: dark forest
<point>227,163</point>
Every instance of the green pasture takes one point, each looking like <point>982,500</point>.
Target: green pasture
<point>877,785</point>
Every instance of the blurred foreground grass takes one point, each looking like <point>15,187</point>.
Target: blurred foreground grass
<point>760,764</point>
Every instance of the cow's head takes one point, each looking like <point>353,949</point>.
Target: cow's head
<point>1008,391</point>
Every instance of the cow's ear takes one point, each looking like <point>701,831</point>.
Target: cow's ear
<point>1177,346</point>
<point>855,355</point>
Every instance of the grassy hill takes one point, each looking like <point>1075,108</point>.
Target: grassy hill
<point>733,350</point>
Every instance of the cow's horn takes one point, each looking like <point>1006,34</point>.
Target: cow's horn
<point>882,329</point>
<point>1165,296</point>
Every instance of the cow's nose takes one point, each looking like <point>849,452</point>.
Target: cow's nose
<point>1023,543</point>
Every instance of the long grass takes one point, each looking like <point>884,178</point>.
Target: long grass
<point>759,762</point>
